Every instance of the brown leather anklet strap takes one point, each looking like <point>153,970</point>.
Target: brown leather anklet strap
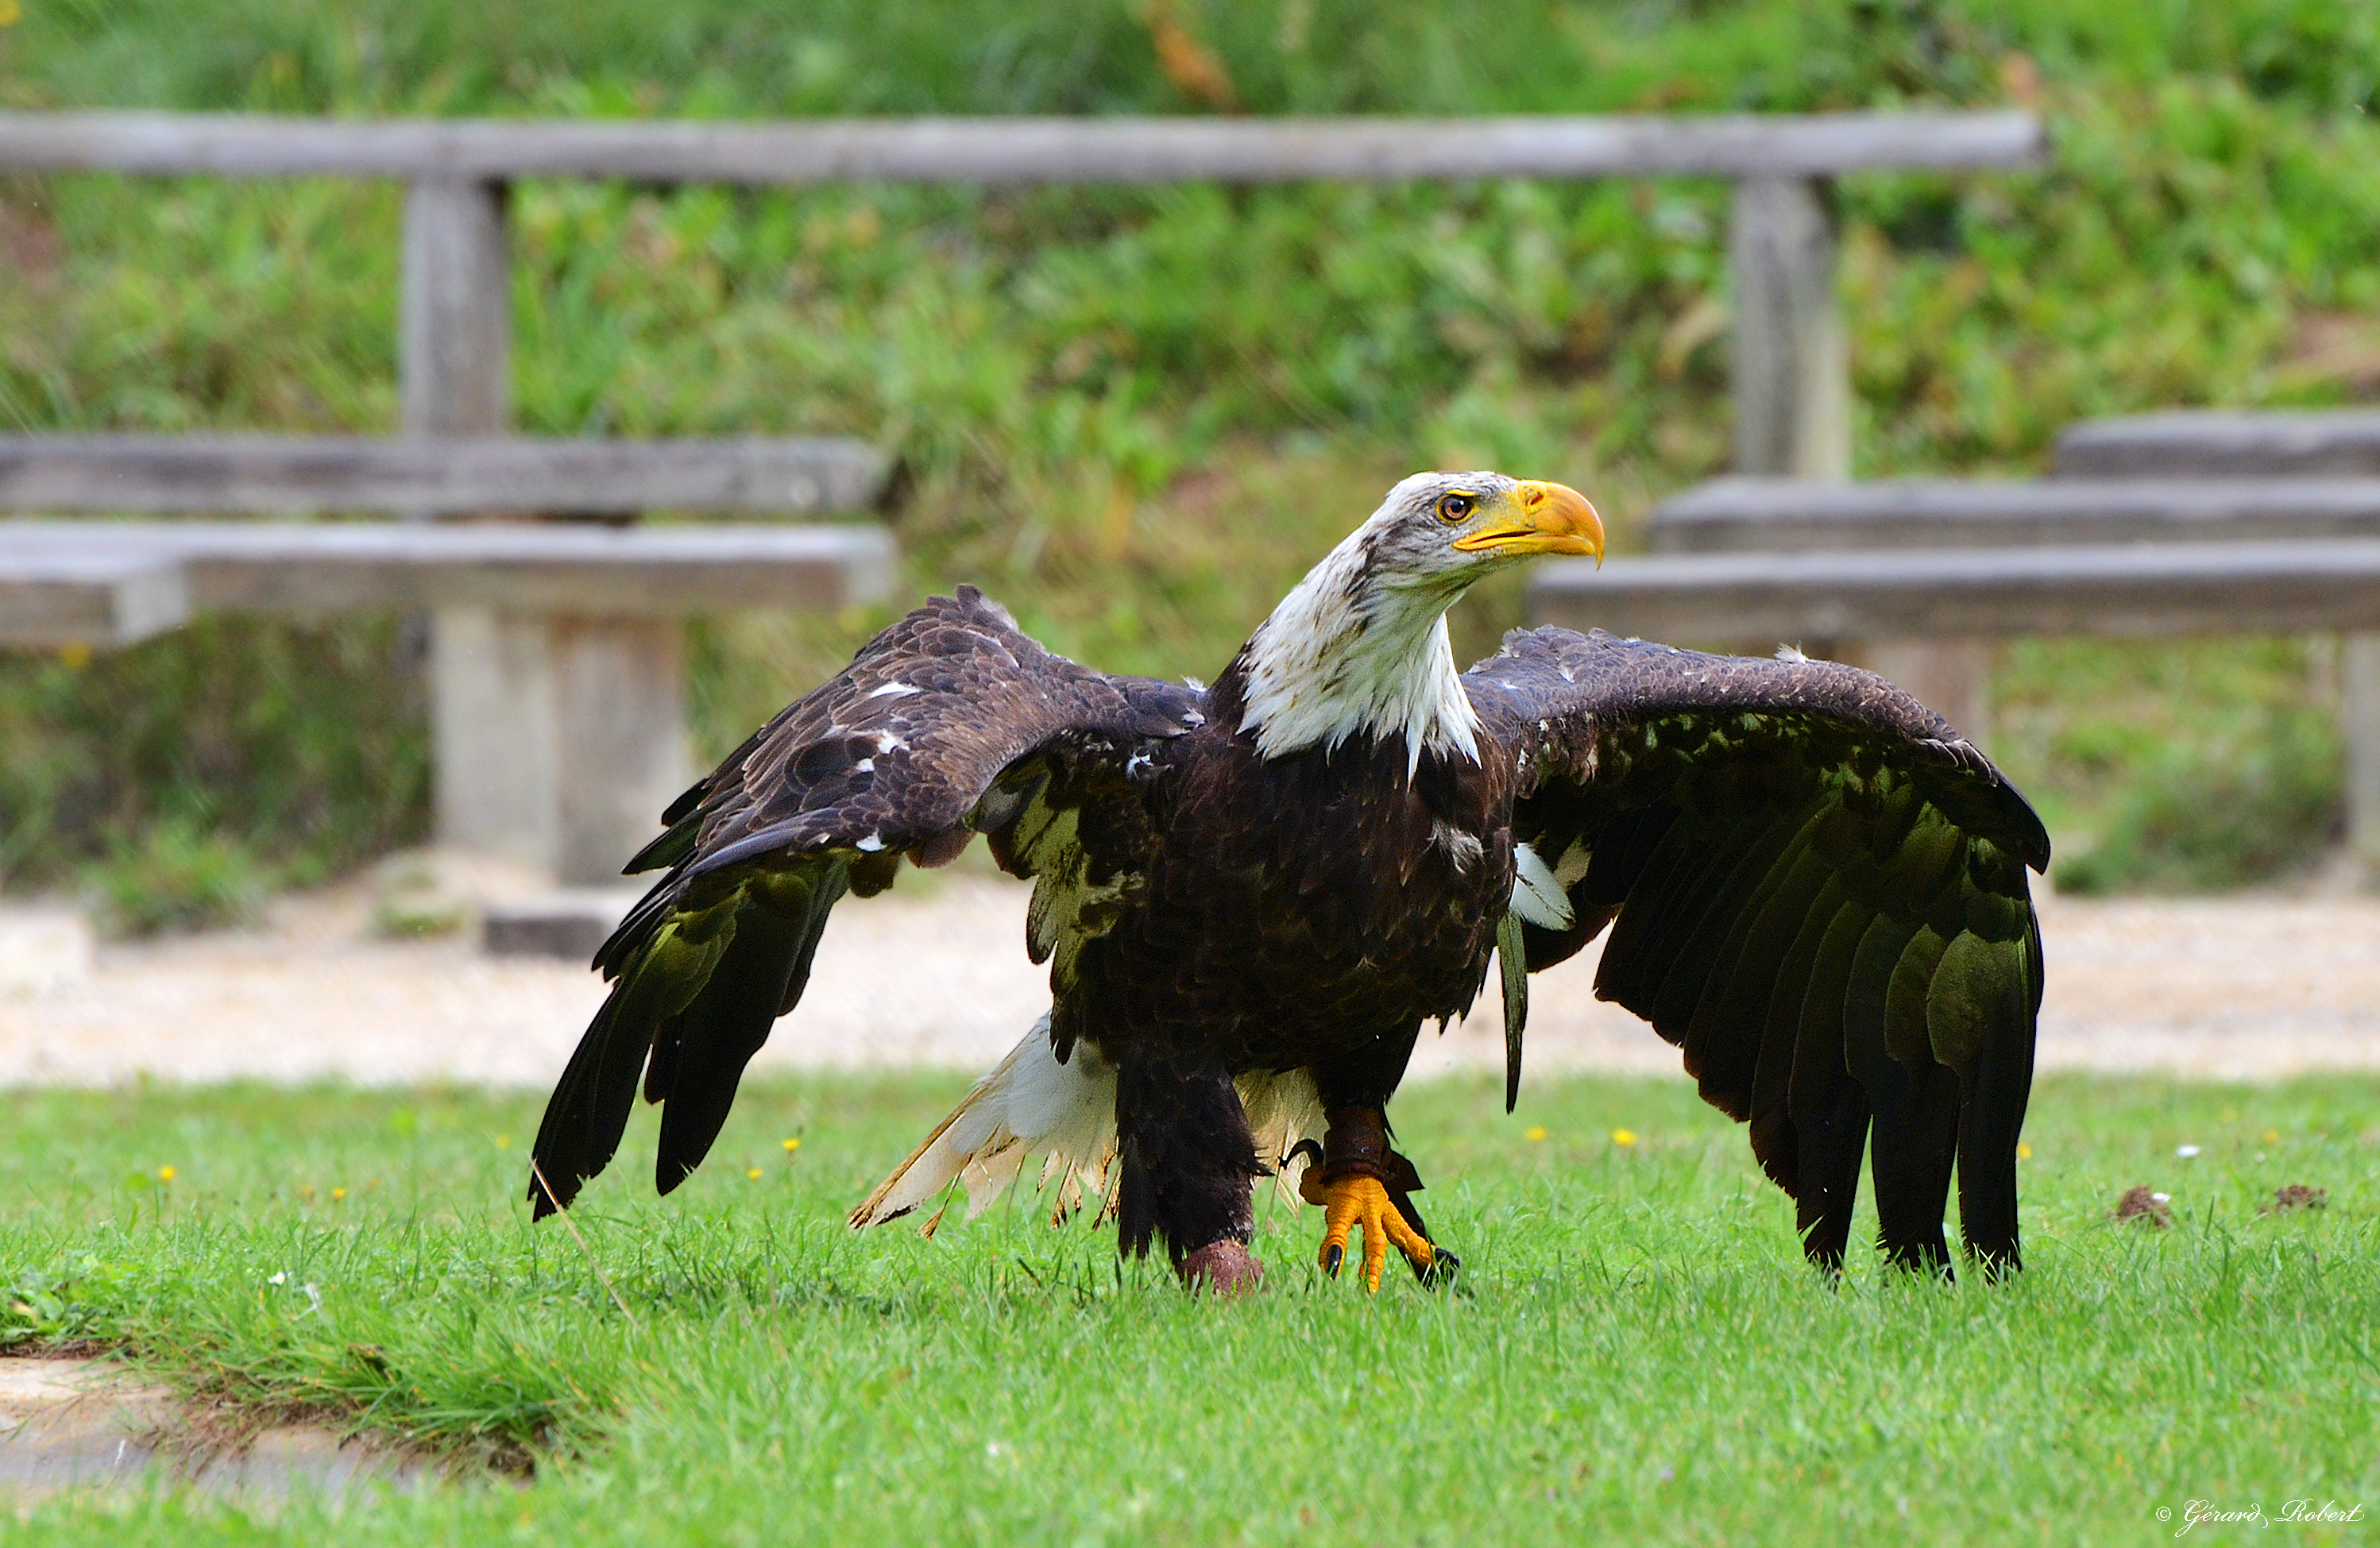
<point>1356,1144</point>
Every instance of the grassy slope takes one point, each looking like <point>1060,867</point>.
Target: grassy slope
<point>1638,1353</point>
<point>1138,414</point>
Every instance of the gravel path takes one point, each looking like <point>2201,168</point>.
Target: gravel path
<point>2233,988</point>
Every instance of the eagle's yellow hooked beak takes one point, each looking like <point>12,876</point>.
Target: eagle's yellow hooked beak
<point>1540,518</point>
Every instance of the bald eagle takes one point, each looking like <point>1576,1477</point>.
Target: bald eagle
<point>1252,896</point>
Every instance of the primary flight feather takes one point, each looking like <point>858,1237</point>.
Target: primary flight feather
<point>1252,896</point>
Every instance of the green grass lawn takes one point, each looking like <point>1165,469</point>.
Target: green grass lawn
<point>1636,1351</point>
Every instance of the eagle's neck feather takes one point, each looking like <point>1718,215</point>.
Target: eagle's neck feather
<point>1345,653</point>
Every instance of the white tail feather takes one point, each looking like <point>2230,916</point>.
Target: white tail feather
<point>1282,1109</point>
<point>1030,1103</point>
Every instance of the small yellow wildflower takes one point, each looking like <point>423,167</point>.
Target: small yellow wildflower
<point>12,13</point>
<point>2023,1151</point>
<point>165,1174</point>
<point>1536,1133</point>
<point>754,1174</point>
<point>2272,1136</point>
<point>1623,1137</point>
<point>793,1144</point>
<point>338,1194</point>
<point>74,653</point>
<point>503,1142</point>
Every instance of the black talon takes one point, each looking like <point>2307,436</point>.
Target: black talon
<point>1440,1271</point>
<point>1330,1263</point>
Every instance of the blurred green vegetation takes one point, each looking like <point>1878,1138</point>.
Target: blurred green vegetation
<point>1136,414</point>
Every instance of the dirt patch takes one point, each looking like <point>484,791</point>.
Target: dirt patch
<point>2139,1204</point>
<point>85,1423</point>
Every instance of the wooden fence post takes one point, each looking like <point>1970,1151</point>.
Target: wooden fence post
<point>456,324</point>
<point>557,741</point>
<point>1792,368</point>
<point>1793,406</point>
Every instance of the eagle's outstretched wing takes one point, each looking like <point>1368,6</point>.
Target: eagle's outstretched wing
<point>1817,887</point>
<point>948,723</point>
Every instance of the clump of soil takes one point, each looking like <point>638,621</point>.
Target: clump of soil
<point>2139,1204</point>
<point>2297,1195</point>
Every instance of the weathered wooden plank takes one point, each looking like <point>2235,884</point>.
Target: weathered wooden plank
<point>315,474</point>
<point>547,568</point>
<point>2128,589</point>
<point>2326,443</point>
<point>1020,149</point>
<point>52,597</point>
<point>1736,515</point>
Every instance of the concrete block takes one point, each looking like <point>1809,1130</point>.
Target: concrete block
<point>43,947</point>
<point>569,922</point>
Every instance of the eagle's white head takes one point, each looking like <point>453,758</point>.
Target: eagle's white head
<point>1360,644</point>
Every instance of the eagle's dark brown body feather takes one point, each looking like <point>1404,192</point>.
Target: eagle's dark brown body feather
<point>1820,890</point>
<point>1302,913</point>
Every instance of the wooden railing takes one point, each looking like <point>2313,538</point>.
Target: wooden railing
<point>1792,377</point>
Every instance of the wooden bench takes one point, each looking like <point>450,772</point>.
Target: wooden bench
<point>1945,666</point>
<point>2277,452</point>
<point>2118,590</point>
<point>558,709</point>
<point>1916,578</point>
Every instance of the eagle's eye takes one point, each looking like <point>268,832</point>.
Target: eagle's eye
<point>1452,508</point>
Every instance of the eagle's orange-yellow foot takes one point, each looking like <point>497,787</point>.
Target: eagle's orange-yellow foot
<point>1353,1201</point>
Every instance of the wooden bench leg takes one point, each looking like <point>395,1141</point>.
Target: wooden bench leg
<point>558,740</point>
<point>621,741</point>
<point>2360,706</point>
<point>492,735</point>
<point>1951,677</point>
